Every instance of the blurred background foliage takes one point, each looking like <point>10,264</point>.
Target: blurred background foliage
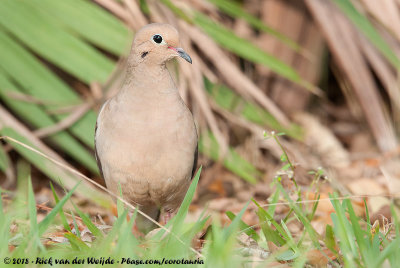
<point>320,71</point>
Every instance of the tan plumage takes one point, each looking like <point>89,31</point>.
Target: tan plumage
<point>146,138</point>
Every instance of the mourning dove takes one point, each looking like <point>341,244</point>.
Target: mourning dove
<point>146,138</point>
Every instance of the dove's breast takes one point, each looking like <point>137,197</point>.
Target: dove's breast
<point>149,151</point>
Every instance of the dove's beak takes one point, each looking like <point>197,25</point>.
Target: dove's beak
<point>182,54</point>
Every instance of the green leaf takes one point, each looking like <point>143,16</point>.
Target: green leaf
<point>39,31</point>
<point>208,145</point>
<point>177,11</point>
<point>90,22</point>
<point>144,7</point>
<point>330,238</point>
<point>229,100</point>
<point>39,82</point>
<point>244,227</point>
<point>236,11</point>
<point>287,255</point>
<point>273,235</point>
<point>35,115</point>
<point>366,27</point>
<point>286,167</point>
<point>269,233</point>
<point>4,160</point>
<point>53,171</point>
<point>245,49</point>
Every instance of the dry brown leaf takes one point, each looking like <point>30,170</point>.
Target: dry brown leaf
<point>316,258</point>
<point>217,186</point>
<point>367,186</point>
<point>70,180</point>
<point>343,41</point>
<point>323,142</point>
<point>119,11</point>
<point>231,73</point>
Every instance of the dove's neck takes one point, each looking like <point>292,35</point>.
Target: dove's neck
<point>149,94</point>
<point>145,81</point>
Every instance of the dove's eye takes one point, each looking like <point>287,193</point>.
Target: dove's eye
<point>157,38</point>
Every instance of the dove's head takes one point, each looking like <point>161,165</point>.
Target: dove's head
<point>157,43</point>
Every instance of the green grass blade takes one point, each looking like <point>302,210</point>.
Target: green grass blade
<point>175,224</point>
<point>177,221</point>
<point>314,208</point>
<point>62,215</point>
<point>120,205</point>
<point>32,208</point>
<point>294,251</point>
<point>108,240</point>
<point>23,174</point>
<point>196,228</point>
<point>359,234</point>
<point>367,217</point>
<point>44,224</point>
<point>127,242</point>
<point>273,201</point>
<point>34,231</point>
<point>302,217</point>
<point>230,231</point>
<point>1,207</point>
<point>78,232</point>
<point>86,220</point>
<point>392,248</point>
<point>275,236</point>
<point>76,242</point>
<point>4,228</point>
<point>344,233</point>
